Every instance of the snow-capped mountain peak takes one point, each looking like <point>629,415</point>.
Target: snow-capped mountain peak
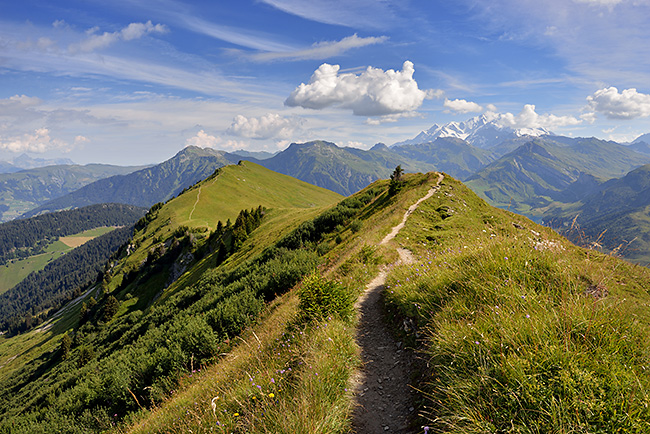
<point>483,131</point>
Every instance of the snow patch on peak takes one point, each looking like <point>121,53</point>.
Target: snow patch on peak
<point>483,131</point>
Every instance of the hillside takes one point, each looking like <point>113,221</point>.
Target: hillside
<point>616,216</point>
<point>171,237</point>
<point>24,190</point>
<point>147,186</point>
<point>543,171</point>
<point>344,170</point>
<point>450,155</point>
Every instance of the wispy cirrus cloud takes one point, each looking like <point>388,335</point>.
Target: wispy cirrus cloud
<point>321,50</point>
<point>350,13</point>
<point>96,41</point>
<point>597,39</point>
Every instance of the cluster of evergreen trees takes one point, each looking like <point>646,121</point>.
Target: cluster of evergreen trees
<point>228,237</point>
<point>41,293</point>
<point>22,238</point>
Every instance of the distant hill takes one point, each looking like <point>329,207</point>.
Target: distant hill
<point>259,155</point>
<point>343,170</point>
<point>617,216</point>
<point>24,162</point>
<point>545,170</point>
<point>146,186</point>
<point>24,190</point>
<point>450,155</point>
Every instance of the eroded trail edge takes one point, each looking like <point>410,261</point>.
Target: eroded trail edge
<point>383,398</point>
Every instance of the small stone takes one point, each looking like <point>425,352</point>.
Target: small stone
<point>386,428</point>
<point>379,380</point>
<point>411,409</point>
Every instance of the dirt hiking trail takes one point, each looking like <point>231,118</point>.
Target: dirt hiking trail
<point>382,392</point>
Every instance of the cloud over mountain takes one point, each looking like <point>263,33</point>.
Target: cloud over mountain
<point>529,118</point>
<point>374,92</point>
<point>271,125</point>
<point>628,104</point>
<point>462,106</point>
<point>39,141</point>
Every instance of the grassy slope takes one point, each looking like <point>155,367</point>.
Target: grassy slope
<point>30,353</point>
<point>307,368</point>
<point>15,271</point>
<point>222,196</point>
<point>512,324</point>
<point>522,331</point>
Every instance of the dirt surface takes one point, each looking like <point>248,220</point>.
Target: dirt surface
<point>384,398</point>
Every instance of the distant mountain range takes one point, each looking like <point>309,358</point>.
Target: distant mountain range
<point>147,186</point>
<point>529,171</point>
<point>616,216</point>
<point>483,131</point>
<point>24,161</point>
<point>343,170</point>
<point>24,190</point>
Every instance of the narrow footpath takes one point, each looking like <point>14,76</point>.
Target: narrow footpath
<point>383,395</point>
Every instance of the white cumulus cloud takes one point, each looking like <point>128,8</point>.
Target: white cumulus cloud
<point>269,126</point>
<point>128,33</point>
<point>529,118</point>
<point>374,92</point>
<point>39,141</point>
<point>628,104</point>
<point>322,50</point>
<point>462,106</point>
<point>205,140</point>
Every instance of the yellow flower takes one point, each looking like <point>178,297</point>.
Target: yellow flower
<point>236,414</point>
<point>271,395</point>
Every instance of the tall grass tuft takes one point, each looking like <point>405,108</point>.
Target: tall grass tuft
<point>515,342</point>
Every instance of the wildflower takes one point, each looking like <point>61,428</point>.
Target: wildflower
<point>272,381</point>
<point>271,395</point>
<point>214,405</point>
<point>527,316</point>
<point>476,342</point>
<point>426,429</point>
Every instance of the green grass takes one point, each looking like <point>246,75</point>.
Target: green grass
<point>222,196</point>
<point>521,331</point>
<point>15,271</point>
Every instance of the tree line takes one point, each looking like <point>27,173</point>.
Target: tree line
<point>23,238</point>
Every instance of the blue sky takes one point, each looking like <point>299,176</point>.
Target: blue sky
<point>133,82</point>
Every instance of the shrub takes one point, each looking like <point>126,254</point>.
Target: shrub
<point>320,298</point>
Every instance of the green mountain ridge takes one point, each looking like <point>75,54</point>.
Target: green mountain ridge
<point>344,170</point>
<point>543,171</point>
<point>146,186</point>
<point>26,189</point>
<point>616,216</point>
